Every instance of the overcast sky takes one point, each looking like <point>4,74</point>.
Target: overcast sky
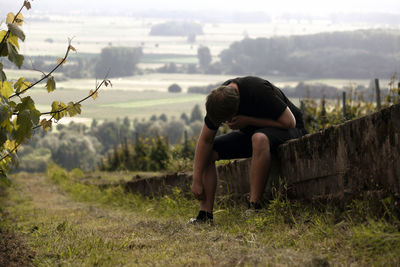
<point>276,6</point>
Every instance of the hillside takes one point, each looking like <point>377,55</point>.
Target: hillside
<point>351,54</point>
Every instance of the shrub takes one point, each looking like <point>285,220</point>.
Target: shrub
<point>174,88</point>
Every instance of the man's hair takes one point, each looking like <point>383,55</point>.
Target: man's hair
<point>222,104</point>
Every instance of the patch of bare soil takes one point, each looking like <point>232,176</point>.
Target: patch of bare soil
<point>13,251</point>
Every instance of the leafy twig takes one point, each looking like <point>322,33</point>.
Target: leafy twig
<point>8,32</point>
<point>9,153</point>
<point>69,48</point>
<point>54,113</point>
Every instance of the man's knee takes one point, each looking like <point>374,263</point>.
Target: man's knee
<point>214,156</point>
<point>260,142</point>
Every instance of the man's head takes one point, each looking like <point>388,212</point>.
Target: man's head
<point>222,104</point>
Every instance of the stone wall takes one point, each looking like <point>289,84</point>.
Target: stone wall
<point>338,163</point>
<point>345,160</point>
<point>160,185</point>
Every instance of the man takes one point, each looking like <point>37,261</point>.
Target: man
<point>263,117</point>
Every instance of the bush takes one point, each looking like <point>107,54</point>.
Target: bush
<point>174,88</point>
<point>35,160</point>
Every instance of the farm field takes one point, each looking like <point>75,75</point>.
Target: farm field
<point>91,34</point>
<point>119,103</point>
<point>143,95</point>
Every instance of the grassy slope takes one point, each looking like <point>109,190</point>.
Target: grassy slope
<point>68,223</point>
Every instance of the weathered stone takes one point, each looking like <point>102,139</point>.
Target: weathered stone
<point>160,185</point>
<point>345,160</point>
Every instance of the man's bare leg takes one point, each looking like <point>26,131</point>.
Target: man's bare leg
<point>210,184</point>
<point>259,168</point>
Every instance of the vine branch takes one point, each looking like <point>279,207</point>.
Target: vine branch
<point>54,113</point>
<point>8,32</point>
<point>69,48</point>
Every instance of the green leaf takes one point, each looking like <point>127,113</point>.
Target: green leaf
<point>21,85</point>
<point>3,50</point>
<point>5,113</point>
<point>3,136</point>
<point>3,76</point>
<point>54,106</point>
<point>4,178</point>
<point>24,126</point>
<point>35,116</point>
<point>26,104</point>
<point>73,109</point>
<point>13,55</point>
<point>10,17</point>
<point>16,30</point>
<point>6,89</point>
<point>46,124</point>
<point>51,84</point>
<point>57,109</point>
<point>2,35</point>
<point>13,39</point>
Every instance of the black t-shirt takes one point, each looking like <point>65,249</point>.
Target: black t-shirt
<point>260,98</point>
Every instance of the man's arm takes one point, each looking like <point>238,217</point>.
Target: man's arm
<point>285,121</point>
<point>202,158</point>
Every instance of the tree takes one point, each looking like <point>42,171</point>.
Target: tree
<point>204,56</point>
<point>158,154</point>
<point>122,61</point>
<point>19,117</point>
<point>126,122</point>
<point>111,134</point>
<point>196,114</point>
<point>174,130</point>
<point>174,88</point>
<point>163,117</point>
<point>185,118</point>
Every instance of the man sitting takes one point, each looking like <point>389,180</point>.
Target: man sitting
<point>263,118</point>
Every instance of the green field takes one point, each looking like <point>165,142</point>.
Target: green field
<point>112,104</point>
<point>143,95</point>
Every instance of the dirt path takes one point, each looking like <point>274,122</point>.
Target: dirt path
<point>62,231</point>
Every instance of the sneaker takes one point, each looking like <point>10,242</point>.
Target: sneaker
<point>254,207</point>
<point>202,217</point>
<point>200,221</point>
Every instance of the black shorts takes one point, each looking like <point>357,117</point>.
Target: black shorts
<point>237,144</point>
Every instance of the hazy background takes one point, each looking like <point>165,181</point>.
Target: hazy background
<point>166,56</point>
<point>125,7</point>
<point>335,43</point>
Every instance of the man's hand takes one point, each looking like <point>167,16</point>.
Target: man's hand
<point>198,190</point>
<point>238,122</point>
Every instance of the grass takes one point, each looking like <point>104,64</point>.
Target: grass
<point>122,103</point>
<point>177,99</point>
<point>69,223</point>
<point>168,58</point>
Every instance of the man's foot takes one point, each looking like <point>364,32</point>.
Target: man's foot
<point>202,217</point>
<point>253,207</point>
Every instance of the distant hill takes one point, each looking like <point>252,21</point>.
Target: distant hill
<point>354,54</point>
<point>176,28</point>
